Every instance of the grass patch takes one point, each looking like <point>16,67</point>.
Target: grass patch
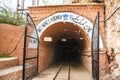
<point>4,56</point>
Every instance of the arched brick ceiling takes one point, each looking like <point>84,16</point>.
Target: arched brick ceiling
<point>66,30</point>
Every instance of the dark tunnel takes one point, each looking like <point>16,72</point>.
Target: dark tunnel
<point>64,43</point>
<point>66,51</point>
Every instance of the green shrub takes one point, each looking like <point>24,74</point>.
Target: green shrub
<point>8,18</point>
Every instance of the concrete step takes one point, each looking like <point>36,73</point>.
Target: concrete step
<point>12,73</point>
<point>8,62</point>
<point>15,73</point>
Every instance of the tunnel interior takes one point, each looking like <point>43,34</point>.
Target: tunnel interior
<point>63,42</point>
<point>66,50</point>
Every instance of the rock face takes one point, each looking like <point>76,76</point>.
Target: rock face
<point>113,37</point>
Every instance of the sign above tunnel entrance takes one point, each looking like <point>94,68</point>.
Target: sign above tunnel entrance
<point>70,17</point>
<point>66,17</point>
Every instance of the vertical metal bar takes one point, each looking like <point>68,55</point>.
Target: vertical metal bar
<point>24,51</point>
<point>98,41</point>
<point>37,51</point>
<point>95,48</point>
<point>37,55</point>
<point>92,48</point>
<point>92,52</point>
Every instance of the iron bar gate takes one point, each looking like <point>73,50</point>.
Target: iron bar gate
<point>31,51</point>
<point>95,48</point>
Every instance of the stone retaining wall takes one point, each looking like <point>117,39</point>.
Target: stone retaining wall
<point>113,37</point>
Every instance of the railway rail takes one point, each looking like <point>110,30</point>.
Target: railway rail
<point>64,72</point>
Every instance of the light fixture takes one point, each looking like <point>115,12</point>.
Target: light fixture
<point>81,38</point>
<point>48,39</point>
<point>63,39</point>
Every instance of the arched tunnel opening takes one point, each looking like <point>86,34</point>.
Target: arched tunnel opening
<point>64,42</point>
<point>66,50</point>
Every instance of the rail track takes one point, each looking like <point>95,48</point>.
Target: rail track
<point>64,72</point>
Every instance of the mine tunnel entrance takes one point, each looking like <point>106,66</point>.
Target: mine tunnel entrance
<point>64,44</point>
<point>66,50</point>
<point>60,42</point>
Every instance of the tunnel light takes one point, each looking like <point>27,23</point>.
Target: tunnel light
<point>81,38</point>
<point>64,40</point>
<point>48,39</point>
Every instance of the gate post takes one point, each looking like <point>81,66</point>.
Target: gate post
<point>95,48</point>
<point>24,49</point>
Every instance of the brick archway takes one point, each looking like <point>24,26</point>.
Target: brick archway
<point>42,13</point>
<point>71,17</point>
<point>67,19</point>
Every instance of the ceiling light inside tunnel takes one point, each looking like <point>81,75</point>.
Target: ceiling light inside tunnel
<point>64,40</point>
<point>81,38</point>
<point>48,39</point>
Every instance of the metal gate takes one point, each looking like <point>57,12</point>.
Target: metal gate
<point>95,48</point>
<point>31,51</point>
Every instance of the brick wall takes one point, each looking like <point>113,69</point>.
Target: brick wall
<point>9,38</point>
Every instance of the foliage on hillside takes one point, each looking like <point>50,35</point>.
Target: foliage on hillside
<point>9,17</point>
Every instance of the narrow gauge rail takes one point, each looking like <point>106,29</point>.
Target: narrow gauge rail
<point>60,71</point>
<point>65,72</point>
